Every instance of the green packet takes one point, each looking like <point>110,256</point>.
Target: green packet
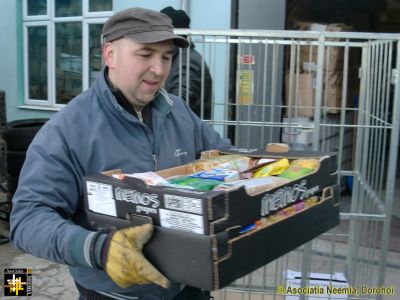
<point>197,183</point>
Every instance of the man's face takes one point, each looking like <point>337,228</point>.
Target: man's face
<point>138,70</point>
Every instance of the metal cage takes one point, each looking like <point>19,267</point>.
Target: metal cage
<point>332,91</point>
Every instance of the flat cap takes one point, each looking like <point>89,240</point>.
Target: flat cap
<point>143,26</point>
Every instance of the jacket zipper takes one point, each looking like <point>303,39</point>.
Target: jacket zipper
<point>155,162</point>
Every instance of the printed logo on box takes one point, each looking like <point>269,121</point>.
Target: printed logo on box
<point>285,196</point>
<point>18,282</point>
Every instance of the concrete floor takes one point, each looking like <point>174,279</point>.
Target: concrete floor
<point>52,281</point>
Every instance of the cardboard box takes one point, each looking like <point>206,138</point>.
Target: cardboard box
<point>201,212</point>
<point>212,262</point>
<point>221,254</point>
<point>393,4</point>
<point>333,91</point>
<point>333,55</point>
<point>302,92</point>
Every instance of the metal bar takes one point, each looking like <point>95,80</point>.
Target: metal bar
<point>351,264</point>
<point>299,34</point>
<point>202,82</point>
<point>264,93</point>
<point>274,76</point>
<point>391,174</point>
<point>318,93</point>
<point>226,102</point>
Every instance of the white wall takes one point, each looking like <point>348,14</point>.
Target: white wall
<point>202,17</point>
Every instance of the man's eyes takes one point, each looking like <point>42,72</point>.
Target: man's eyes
<point>144,54</point>
<point>148,55</point>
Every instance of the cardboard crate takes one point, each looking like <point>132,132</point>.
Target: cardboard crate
<point>222,253</point>
<point>202,212</point>
<point>212,262</point>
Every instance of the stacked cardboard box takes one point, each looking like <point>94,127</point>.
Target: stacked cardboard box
<point>303,87</point>
<point>393,4</point>
<point>389,20</point>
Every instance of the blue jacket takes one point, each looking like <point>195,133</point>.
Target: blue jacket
<point>93,133</point>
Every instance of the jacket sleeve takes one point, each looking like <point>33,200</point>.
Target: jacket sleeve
<point>190,80</point>
<point>211,139</point>
<point>47,197</point>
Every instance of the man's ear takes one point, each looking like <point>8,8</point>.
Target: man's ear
<point>109,54</point>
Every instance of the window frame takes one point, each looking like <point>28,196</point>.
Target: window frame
<point>37,102</point>
<point>49,20</point>
<point>85,51</point>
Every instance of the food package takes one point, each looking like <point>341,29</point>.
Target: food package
<point>196,183</point>
<point>218,174</point>
<point>253,186</point>
<point>149,178</point>
<point>274,168</point>
<point>229,162</point>
<point>299,168</point>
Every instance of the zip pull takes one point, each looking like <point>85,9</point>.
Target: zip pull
<point>139,114</point>
<point>155,162</point>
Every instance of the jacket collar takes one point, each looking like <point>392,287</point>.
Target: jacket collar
<point>161,102</point>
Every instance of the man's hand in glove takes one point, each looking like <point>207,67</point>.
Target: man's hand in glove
<point>124,261</point>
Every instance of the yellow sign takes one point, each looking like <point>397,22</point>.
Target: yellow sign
<point>245,87</point>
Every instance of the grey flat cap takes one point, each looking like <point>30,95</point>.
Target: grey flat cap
<point>143,26</point>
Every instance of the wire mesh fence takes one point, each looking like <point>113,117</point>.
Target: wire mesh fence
<point>330,91</point>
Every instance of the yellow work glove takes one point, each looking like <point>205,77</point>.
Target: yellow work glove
<point>125,262</point>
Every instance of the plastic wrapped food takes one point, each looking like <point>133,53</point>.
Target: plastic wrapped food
<point>218,174</point>
<point>299,168</point>
<point>253,186</point>
<point>196,183</point>
<point>149,178</point>
<point>274,168</point>
<point>229,162</point>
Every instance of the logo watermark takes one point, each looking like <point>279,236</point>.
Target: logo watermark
<point>18,282</point>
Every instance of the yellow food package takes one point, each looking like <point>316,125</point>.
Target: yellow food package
<point>228,162</point>
<point>299,168</point>
<point>274,168</point>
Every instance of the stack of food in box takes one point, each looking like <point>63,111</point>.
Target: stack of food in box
<point>218,215</point>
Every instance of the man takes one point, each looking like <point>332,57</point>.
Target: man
<point>195,83</point>
<point>126,120</point>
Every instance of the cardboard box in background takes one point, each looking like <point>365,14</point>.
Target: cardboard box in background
<point>319,280</point>
<point>302,91</point>
<point>332,77</point>
<point>332,96</point>
<point>333,57</point>
<point>392,4</point>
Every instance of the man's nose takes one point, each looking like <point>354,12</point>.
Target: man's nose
<point>158,67</point>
